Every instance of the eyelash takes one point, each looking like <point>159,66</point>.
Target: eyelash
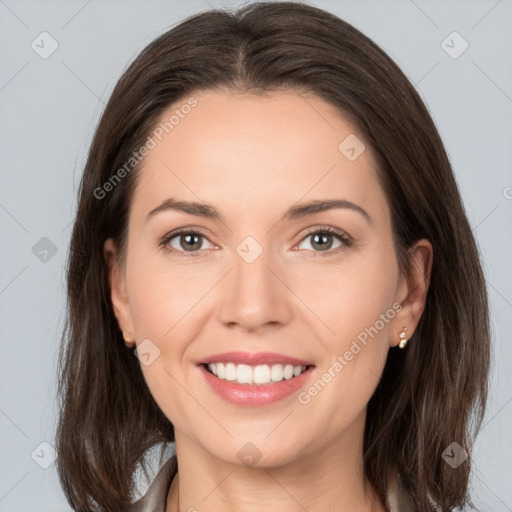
<point>343,237</point>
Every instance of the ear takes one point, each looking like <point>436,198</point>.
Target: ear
<point>118,292</point>
<point>412,291</point>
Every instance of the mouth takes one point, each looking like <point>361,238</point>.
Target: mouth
<point>258,375</point>
<point>253,387</point>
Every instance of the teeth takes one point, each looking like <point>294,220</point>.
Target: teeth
<point>244,374</point>
<point>230,373</point>
<point>261,374</point>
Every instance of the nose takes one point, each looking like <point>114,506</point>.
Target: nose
<point>254,295</point>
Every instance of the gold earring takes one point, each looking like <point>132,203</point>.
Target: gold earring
<point>403,338</point>
<point>128,343</point>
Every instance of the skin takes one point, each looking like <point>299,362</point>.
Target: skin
<point>253,157</point>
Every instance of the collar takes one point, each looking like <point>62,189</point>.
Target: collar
<point>155,498</point>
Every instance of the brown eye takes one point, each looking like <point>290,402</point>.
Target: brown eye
<point>190,242</point>
<point>184,242</point>
<point>322,240</point>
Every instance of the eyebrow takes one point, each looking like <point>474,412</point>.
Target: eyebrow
<point>295,212</point>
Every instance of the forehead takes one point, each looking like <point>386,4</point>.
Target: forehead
<point>256,152</point>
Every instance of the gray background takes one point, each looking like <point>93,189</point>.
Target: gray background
<point>49,108</point>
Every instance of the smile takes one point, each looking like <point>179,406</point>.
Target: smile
<point>255,375</point>
<point>245,390</point>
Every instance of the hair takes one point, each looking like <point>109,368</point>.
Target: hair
<point>431,394</point>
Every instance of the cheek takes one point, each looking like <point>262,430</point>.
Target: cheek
<point>165,309</point>
<point>349,294</point>
<point>354,302</point>
<point>163,295</point>
<point>338,296</point>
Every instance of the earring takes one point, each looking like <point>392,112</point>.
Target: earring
<point>128,343</point>
<point>403,339</point>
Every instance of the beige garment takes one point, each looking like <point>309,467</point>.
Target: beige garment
<point>155,498</point>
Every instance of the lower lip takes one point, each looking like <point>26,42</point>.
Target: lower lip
<point>254,395</point>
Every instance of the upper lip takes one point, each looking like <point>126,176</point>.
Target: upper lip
<point>251,359</point>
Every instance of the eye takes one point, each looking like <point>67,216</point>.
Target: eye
<point>187,243</point>
<point>322,240</point>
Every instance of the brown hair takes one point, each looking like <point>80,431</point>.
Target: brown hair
<point>431,394</point>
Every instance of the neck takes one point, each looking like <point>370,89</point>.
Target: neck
<point>327,477</point>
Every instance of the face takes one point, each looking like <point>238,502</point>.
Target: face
<point>321,286</point>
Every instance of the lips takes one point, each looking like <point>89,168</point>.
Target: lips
<point>254,359</point>
<point>254,395</point>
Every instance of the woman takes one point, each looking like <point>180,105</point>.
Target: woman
<point>271,267</point>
